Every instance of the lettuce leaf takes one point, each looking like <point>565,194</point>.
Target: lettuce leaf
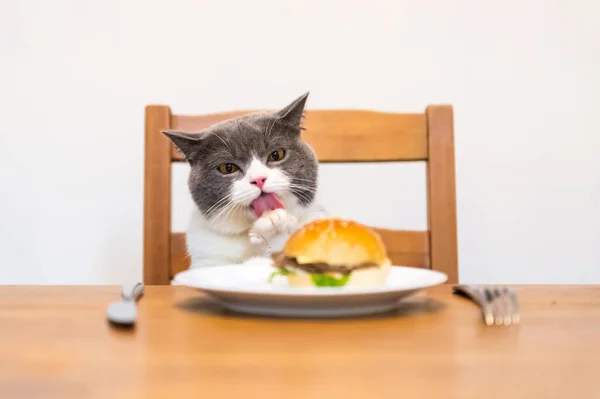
<point>321,280</point>
<point>278,272</point>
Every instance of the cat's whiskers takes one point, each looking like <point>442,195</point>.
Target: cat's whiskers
<point>232,200</point>
<point>245,197</point>
<point>304,188</point>
<point>225,208</point>
<point>241,199</point>
<point>217,203</point>
<point>303,191</point>
<point>296,188</point>
<point>218,209</point>
<point>299,178</point>
<point>229,208</point>
<point>232,211</point>
<point>276,189</point>
<point>303,195</point>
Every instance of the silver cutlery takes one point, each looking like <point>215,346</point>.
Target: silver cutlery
<point>499,305</point>
<point>124,312</point>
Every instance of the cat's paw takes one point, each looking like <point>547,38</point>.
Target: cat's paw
<point>270,224</point>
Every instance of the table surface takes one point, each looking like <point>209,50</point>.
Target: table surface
<point>55,343</point>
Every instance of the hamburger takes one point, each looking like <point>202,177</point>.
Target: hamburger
<point>333,252</point>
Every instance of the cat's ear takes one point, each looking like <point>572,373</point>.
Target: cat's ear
<point>188,143</point>
<point>292,114</point>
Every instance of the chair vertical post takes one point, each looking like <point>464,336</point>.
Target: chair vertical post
<point>441,191</point>
<point>157,196</point>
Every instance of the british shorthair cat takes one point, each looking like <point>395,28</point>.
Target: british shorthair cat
<point>253,181</point>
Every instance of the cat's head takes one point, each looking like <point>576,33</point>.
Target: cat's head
<point>236,161</point>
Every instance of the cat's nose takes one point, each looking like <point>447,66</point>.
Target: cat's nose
<point>258,181</point>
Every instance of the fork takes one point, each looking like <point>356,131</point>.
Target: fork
<point>499,305</point>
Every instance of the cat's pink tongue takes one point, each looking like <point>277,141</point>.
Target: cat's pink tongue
<point>266,202</point>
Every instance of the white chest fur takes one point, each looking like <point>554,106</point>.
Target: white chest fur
<point>213,246</point>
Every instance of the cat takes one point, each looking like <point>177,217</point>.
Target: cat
<point>253,181</point>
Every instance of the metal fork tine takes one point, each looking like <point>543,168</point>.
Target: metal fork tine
<point>487,306</point>
<point>508,307</point>
<point>498,307</point>
<point>516,317</point>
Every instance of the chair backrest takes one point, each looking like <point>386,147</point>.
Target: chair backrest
<point>336,136</point>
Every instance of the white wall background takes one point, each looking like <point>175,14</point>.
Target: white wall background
<point>523,76</point>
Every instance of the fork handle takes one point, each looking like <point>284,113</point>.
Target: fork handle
<point>479,298</point>
<point>132,292</point>
<point>468,292</point>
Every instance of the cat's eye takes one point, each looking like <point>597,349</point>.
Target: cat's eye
<point>277,155</point>
<point>228,168</point>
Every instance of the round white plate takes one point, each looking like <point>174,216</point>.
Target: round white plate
<point>245,288</point>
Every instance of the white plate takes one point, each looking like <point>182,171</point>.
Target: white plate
<point>244,288</point>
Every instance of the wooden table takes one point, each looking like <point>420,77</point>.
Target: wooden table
<point>56,343</point>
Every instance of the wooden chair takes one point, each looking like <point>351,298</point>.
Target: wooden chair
<point>336,136</point>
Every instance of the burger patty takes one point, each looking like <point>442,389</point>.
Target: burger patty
<point>281,261</point>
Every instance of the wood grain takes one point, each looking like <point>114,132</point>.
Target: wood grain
<point>157,196</point>
<point>406,248</point>
<point>180,260</point>
<point>442,191</point>
<point>55,343</point>
<point>343,135</point>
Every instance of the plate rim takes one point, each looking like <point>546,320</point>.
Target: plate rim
<point>308,291</point>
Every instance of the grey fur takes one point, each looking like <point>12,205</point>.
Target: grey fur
<point>236,141</point>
